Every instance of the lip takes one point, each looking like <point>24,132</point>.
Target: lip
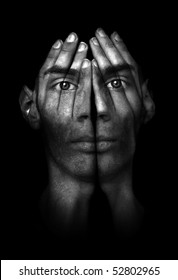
<point>90,144</point>
<point>93,139</point>
<point>83,139</point>
<point>105,139</point>
<point>105,144</point>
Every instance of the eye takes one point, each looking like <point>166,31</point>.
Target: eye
<point>66,85</point>
<point>116,83</point>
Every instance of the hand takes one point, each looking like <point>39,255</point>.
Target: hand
<point>64,74</point>
<point>117,69</point>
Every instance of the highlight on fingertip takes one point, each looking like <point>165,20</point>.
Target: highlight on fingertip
<point>101,32</point>
<point>57,44</point>
<point>94,63</point>
<point>72,37</point>
<point>94,41</point>
<point>116,36</point>
<point>82,47</point>
<point>85,63</point>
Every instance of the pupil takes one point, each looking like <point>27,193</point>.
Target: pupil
<point>116,83</point>
<point>64,85</point>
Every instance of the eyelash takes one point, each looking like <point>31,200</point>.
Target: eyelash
<point>74,86</point>
<point>59,84</point>
<point>117,87</point>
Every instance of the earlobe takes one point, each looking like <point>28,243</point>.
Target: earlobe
<point>148,103</point>
<point>28,107</point>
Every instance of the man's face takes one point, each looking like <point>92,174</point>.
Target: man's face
<point>90,111</point>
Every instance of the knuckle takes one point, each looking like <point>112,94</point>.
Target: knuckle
<point>122,45</point>
<point>109,44</point>
<point>67,48</point>
<point>65,51</point>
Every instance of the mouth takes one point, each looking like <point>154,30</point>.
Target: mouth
<point>94,145</point>
<point>105,145</point>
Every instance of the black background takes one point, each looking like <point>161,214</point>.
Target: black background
<point>150,34</point>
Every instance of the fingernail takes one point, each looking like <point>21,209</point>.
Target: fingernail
<point>94,63</point>
<point>57,44</point>
<point>95,41</point>
<point>101,32</point>
<point>82,47</point>
<point>71,38</point>
<point>116,36</point>
<point>85,63</point>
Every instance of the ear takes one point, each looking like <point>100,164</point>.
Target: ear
<point>148,103</point>
<point>28,107</point>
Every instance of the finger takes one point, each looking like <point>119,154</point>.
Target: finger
<point>65,104</point>
<point>109,48</point>
<point>109,100</point>
<point>81,106</point>
<point>117,53</point>
<point>103,100</point>
<point>43,78</point>
<point>131,92</point>
<point>65,57</point>
<point>52,56</point>
<point>63,61</point>
<point>79,56</point>
<point>99,55</point>
<point>119,44</point>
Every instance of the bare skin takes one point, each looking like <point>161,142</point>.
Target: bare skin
<point>81,145</point>
<point>121,110</point>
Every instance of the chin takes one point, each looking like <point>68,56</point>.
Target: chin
<point>110,165</point>
<point>82,167</point>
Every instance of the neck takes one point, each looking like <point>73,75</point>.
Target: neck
<point>126,211</point>
<point>65,203</point>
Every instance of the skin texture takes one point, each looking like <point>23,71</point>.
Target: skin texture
<point>64,112</point>
<point>90,113</point>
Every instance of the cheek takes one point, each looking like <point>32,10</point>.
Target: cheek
<point>57,137</point>
<point>56,117</point>
<point>58,105</point>
<point>111,162</point>
<point>135,102</point>
<point>128,104</point>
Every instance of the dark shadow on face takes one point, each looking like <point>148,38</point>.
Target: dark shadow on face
<point>89,134</point>
<point>72,144</point>
<point>84,140</point>
<point>72,147</point>
<point>69,129</point>
<point>114,123</point>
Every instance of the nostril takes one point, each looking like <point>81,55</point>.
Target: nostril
<point>83,117</point>
<point>103,116</point>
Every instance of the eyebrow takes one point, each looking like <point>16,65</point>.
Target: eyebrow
<point>61,70</point>
<point>107,72</point>
<point>110,70</point>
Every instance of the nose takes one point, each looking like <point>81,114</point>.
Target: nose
<point>102,104</point>
<point>102,96</point>
<point>93,100</point>
<point>82,107</point>
<point>95,106</point>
